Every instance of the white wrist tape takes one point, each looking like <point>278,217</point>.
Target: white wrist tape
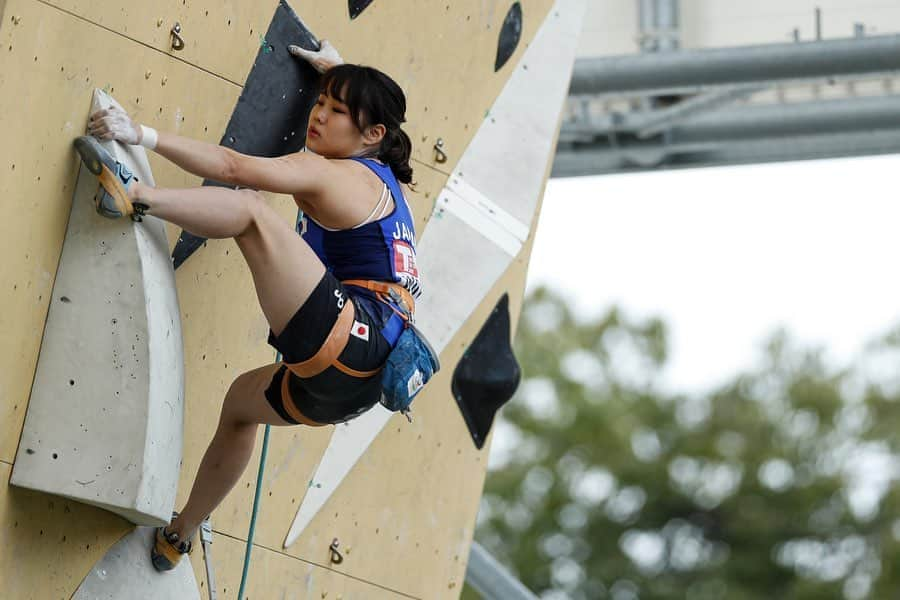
<point>149,137</point>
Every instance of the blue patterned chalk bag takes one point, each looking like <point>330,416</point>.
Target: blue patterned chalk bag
<point>409,366</point>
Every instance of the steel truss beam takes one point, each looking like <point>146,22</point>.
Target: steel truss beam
<point>491,579</point>
<point>757,133</point>
<point>690,71</point>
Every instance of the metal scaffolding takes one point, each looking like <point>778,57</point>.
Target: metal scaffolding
<point>491,579</point>
<point>692,71</point>
<point>666,107</point>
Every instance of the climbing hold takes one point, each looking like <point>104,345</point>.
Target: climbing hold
<point>278,95</point>
<point>487,374</point>
<point>510,34</point>
<point>357,6</point>
<point>83,369</point>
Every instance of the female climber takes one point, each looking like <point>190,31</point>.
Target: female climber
<point>334,297</point>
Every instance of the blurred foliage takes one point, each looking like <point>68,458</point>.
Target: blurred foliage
<point>776,485</point>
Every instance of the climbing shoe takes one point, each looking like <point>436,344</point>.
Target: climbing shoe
<point>115,178</point>
<point>167,549</point>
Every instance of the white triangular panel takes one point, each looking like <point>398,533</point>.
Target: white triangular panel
<point>126,573</point>
<point>347,444</point>
<point>480,221</point>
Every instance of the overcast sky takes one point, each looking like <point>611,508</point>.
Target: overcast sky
<point>725,255</point>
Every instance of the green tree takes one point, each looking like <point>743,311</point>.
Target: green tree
<point>776,485</point>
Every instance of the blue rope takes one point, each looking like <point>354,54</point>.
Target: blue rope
<point>259,477</point>
<point>259,480</point>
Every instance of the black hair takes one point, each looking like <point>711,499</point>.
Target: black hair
<point>372,98</point>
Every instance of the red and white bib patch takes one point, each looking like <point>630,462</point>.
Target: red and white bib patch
<point>405,259</point>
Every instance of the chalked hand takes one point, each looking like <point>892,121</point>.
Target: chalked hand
<point>322,59</point>
<point>114,124</point>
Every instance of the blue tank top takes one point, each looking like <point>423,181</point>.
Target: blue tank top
<point>382,250</point>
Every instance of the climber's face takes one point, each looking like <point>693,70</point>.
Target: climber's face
<point>332,131</point>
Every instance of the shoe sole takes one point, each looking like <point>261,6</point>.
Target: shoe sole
<point>91,153</point>
<point>113,192</point>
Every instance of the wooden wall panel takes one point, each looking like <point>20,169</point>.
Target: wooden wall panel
<point>415,494</point>
<point>277,575</point>
<point>220,37</point>
<point>47,94</point>
<point>50,543</point>
<point>442,54</point>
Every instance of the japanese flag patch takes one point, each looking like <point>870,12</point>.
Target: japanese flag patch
<point>360,330</point>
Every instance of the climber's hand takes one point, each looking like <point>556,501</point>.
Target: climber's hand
<point>114,124</point>
<point>322,59</point>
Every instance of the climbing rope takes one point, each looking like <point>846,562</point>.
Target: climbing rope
<point>259,479</point>
<point>259,474</point>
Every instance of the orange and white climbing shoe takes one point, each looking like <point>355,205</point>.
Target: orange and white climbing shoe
<point>167,549</point>
<point>112,199</point>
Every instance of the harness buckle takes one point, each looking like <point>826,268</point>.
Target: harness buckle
<point>398,299</point>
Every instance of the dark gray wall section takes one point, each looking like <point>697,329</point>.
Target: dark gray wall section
<point>271,114</point>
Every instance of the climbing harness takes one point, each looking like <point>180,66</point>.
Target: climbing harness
<point>328,353</point>
<point>409,366</point>
<point>394,295</point>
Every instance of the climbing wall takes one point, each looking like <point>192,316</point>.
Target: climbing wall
<point>111,361</point>
<point>403,507</point>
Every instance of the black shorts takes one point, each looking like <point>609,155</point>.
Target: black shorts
<point>332,396</point>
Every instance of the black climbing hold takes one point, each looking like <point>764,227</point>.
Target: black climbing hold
<point>510,34</point>
<point>357,6</point>
<point>271,114</point>
<point>487,375</point>
<point>187,244</point>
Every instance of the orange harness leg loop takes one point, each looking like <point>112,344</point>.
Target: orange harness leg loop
<point>290,406</point>
<point>353,372</point>
<point>337,339</point>
<point>331,348</point>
